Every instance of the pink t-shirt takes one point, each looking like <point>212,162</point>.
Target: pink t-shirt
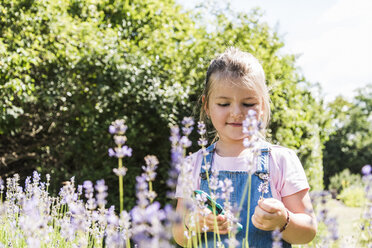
<point>287,175</point>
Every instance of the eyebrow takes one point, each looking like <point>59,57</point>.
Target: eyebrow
<point>225,97</point>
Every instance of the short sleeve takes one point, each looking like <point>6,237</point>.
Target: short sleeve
<point>194,161</point>
<point>287,173</point>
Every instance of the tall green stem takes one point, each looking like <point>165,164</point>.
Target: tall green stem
<point>128,241</point>
<point>150,190</point>
<point>213,208</point>
<point>121,191</point>
<point>248,210</point>
<point>205,235</point>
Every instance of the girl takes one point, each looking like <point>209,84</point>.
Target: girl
<point>235,84</point>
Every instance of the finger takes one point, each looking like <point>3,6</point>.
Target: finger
<point>258,224</point>
<point>224,231</point>
<point>223,228</point>
<point>211,221</point>
<point>221,219</point>
<point>270,205</point>
<point>223,225</point>
<point>263,215</point>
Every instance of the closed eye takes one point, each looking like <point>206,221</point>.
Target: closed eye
<point>223,104</point>
<point>248,104</point>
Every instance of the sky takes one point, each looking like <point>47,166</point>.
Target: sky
<point>333,39</point>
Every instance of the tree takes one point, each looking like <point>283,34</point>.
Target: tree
<point>298,118</point>
<point>70,68</point>
<point>350,144</point>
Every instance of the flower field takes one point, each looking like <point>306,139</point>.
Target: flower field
<point>78,215</point>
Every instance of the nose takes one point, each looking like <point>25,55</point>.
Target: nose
<point>236,113</point>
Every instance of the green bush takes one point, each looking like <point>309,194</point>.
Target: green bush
<point>353,196</point>
<point>343,180</point>
<point>70,68</point>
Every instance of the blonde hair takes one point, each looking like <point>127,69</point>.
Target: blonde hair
<point>235,65</point>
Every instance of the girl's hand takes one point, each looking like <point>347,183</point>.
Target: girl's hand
<point>208,219</point>
<point>269,214</point>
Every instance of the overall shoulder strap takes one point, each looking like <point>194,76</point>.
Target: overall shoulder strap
<point>263,162</point>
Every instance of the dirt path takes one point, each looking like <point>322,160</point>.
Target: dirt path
<point>347,218</point>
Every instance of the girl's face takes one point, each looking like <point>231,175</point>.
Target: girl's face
<point>228,105</point>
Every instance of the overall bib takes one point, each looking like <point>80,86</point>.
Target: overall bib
<point>257,238</point>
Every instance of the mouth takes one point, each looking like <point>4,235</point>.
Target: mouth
<point>233,124</point>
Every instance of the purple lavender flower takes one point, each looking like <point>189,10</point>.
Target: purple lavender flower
<point>101,195</point>
<point>120,171</point>
<point>111,152</point>
<point>251,113</point>
<point>213,181</point>
<point>332,225</point>
<point>175,135</point>
<point>80,190</point>
<point>206,166</point>
<point>120,139</point>
<point>201,128</point>
<point>150,227</point>
<point>35,178</point>
<point>277,237</point>
<point>118,127</point>
<point>264,187</point>
<point>176,158</point>
<point>226,188</point>
<point>112,129</point>
<point>142,191</point>
<point>125,220</point>
<point>121,152</point>
<point>187,123</point>
<point>176,154</point>
<point>366,170</point>
<point>202,142</point>
<point>88,186</point>
<point>67,192</point>
<point>151,162</point>
<point>247,143</point>
<point>185,142</point>
<point>28,186</point>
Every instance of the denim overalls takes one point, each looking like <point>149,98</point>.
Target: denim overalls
<point>257,238</point>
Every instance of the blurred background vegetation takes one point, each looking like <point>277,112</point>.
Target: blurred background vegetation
<point>69,68</point>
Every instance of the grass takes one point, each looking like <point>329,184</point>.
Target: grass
<point>347,219</point>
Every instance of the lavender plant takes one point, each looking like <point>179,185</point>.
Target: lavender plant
<point>118,129</point>
<point>327,224</point>
<point>150,174</point>
<point>251,128</point>
<point>78,217</point>
<point>365,237</point>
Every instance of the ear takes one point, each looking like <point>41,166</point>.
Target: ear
<point>205,107</point>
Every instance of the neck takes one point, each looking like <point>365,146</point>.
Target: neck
<point>229,149</point>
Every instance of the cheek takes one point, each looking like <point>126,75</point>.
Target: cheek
<point>257,109</point>
<point>217,114</point>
